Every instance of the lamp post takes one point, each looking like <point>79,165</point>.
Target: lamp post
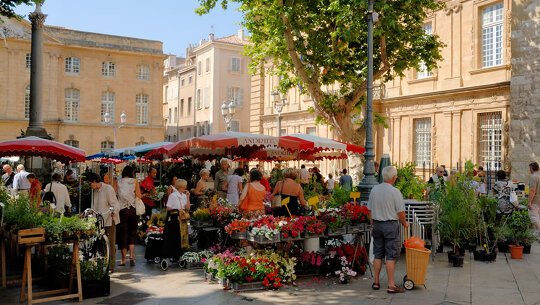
<point>279,102</point>
<point>369,180</point>
<point>228,109</point>
<point>109,120</point>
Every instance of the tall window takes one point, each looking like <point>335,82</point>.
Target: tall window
<point>107,104</point>
<point>73,65</point>
<point>235,64</point>
<point>175,115</point>
<point>312,131</point>
<point>141,142</point>
<point>423,71</point>
<point>492,35</point>
<point>207,64</point>
<point>170,115</point>
<point>235,94</point>
<point>143,72</point>
<point>183,82</point>
<point>28,60</point>
<point>422,141</point>
<point>107,145</point>
<point>198,99</point>
<point>181,107</point>
<point>27,102</point>
<point>206,97</point>
<point>189,106</point>
<point>108,69</point>
<point>141,108</point>
<point>190,79</point>
<point>71,108</point>
<point>73,143</point>
<point>199,67</point>
<point>490,140</point>
<point>235,125</point>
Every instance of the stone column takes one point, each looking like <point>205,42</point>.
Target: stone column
<point>35,128</point>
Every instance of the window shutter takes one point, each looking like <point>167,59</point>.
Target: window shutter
<point>240,96</point>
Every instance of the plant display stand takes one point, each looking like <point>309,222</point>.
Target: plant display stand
<point>36,237</point>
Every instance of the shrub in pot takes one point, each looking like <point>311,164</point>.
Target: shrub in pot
<point>517,228</point>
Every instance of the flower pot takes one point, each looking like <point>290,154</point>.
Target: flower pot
<point>96,288</point>
<point>527,249</point>
<point>450,256</point>
<point>457,261</point>
<point>201,223</point>
<point>237,287</point>
<point>516,252</point>
<point>239,235</point>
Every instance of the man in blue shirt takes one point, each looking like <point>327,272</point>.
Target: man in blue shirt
<point>345,181</point>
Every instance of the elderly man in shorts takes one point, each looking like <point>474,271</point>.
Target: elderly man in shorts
<point>387,212</point>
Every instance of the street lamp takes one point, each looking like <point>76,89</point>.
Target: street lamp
<point>228,110</point>
<point>109,120</point>
<point>279,101</point>
<point>369,180</point>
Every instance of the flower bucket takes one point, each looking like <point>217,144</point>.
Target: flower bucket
<point>238,287</point>
<point>261,239</point>
<point>356,228</point>
<point>516,252</point>
<point>239,235</point>
<point>201,223</point>
<point>337,231</point>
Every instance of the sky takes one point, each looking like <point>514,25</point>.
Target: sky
<point>173,22</point>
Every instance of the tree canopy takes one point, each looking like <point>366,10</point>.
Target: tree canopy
<point>7,7</point>
<point>320,43</point>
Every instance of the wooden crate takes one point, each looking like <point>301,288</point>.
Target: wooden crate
<point>31,236</point>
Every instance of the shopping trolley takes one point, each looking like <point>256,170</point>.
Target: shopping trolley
<point>417,261</point>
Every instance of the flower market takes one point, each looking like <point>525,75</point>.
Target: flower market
<point>311,231</point>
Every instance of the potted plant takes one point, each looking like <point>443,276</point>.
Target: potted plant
<point>201,218</point>
<point>95,280</point>
<point>313,227</point>
<point>264,230</point>
<point>356,217</point>
<point>291,228</point>
<point>410,185</point>
<point>518,229</point>
<point>335,220</point>
<point>237,229</point>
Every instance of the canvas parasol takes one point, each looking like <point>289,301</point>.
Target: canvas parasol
<point>38,147</point>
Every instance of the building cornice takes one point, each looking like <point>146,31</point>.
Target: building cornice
<point>446,93</point>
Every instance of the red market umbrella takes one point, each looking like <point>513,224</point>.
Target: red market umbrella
<point>38,147</point>
<point>310,143</point>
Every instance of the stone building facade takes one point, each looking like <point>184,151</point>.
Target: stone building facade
<point>459,111</point>
<point>213,72</point>
<point>85,76</point>
<point>525,87</point>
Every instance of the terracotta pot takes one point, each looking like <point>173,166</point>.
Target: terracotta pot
<point>516,252</point>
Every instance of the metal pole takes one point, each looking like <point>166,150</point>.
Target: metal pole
<point>279,124</point>
<point>369,167</point>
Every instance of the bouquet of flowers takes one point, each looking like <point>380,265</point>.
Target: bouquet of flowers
<point>159,193</point>
<point>314,226</point>
<point>221,213</point>
<point>201,215</point>
<point>197,257</point>
<point>237,226</point>
<point>345,273</point>
<point>292,227</point>
<point>356,213</point>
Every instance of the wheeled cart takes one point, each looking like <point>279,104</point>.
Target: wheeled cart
<point>417,261</point>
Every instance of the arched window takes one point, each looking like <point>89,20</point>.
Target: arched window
<point>71,109</point>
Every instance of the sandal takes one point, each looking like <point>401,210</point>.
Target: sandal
<point>122,264</point>
<point>132,262</point>
<point>395,289</point>
<point>375,286</point>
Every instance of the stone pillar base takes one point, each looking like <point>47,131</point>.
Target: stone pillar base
<point>37,132</point>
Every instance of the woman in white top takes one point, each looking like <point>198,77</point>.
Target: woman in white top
<point>127,188</point>
<point>177,206</point>
<point>61,193</point>
<point>234,186</point>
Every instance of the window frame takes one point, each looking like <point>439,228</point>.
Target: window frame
<point>108,105</point>
<point>491,25</point>
<point>495,140</point>
<point>239,60</point>
<point>141,109</point>
<point>72,143</point>
<point>72,104</point>
<point>427,152</point>
<point>107,145</point>
<point>143,72</point>
<point>108,69</point>
<point>72,65</point>
<point>28,60</point>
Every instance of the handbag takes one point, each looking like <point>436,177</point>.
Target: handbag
<point>276,201</point>
<point>184,215</point>
<point>49,195</point>
<point>140,209</point>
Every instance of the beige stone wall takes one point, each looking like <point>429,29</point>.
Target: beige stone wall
<point>88,130</point>
<point>525,88</point>
<point>456,93</point>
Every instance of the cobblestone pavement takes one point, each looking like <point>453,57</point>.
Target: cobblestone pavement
<point>504,281</point>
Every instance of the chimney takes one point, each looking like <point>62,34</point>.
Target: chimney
<point>241,34</point>
<point>211,36</point>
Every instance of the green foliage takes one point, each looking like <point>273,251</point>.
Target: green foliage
<point>318,43</point>
<point>59,257</point>
<point>93,269</point>
<point>518,228</point>
<point>408,183</point>
<point>21,214</point>
<point>313,188</point>
<point>201,215</point>
<point>7,7</point>
<point>339,197</point>
<point>459,211</point>
<point>57,227</point>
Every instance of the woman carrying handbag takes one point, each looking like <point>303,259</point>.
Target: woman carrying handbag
<point>128,192</point>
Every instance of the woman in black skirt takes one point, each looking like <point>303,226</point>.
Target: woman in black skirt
<point>177,203</point>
